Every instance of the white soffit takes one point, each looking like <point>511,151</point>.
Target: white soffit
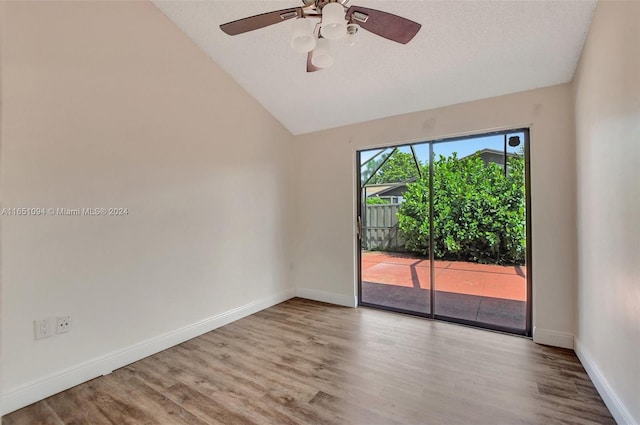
<point>466,50</point>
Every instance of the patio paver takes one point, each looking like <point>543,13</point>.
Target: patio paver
<point>483,293</point>
<point>490,280</point>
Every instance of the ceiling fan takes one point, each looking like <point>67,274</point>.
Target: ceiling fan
<point>336,21</point>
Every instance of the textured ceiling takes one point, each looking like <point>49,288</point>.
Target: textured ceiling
<point>466,50</point>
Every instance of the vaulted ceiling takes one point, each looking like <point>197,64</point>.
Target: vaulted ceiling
<point>466,50</point>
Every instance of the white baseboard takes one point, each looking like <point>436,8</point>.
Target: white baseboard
<point>327,297</point>
<point>553,338</point>
<point>615,406</point>
<point>24,395</point>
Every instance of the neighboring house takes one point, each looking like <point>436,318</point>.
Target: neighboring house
<point>393,192</point>
<point>492,155</point>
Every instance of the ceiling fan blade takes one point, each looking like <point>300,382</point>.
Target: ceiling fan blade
<point>259,21</point>
<point>387,25</point>
<point>310,66</point>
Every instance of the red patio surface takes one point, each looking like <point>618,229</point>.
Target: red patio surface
<point>479,293</point>
<point>488,280</point>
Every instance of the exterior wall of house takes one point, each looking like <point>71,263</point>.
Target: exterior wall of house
<point>492,157</point>
<point>372,190</point>
<point>109,104</point>
<point>607,105</point>
<point>325,243</point>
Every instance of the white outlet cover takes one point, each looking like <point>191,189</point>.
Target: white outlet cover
<point>63,324</point>
<point>43,328</point>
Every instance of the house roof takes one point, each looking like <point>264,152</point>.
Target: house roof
<point>381,189</point>
<point>490,151</point>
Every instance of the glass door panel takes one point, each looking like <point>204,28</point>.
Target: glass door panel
<point>392,277</point>
<point>479,231</point>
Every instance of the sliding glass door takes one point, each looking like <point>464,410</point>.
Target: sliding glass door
<point>392,277</point>
<point>443,230</point>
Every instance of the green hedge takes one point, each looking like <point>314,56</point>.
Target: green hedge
<point>377,201</point>
<point>479,214</point>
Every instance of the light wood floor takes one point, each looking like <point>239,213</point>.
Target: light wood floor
<point>303,362</point>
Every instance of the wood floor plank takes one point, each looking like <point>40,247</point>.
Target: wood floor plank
<point>79,405</point>
<point>304,362</point>
<point>37,414</point>
<point>348,412</point>
<point>209,408</point>
<point>161,407</point>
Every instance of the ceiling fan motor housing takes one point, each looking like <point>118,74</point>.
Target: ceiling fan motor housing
<point>319,4</point>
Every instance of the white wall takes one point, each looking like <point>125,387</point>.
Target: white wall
<point>1,204</point>
<point>607,105</point>
<point>108,104</point>
<point>326,178</point>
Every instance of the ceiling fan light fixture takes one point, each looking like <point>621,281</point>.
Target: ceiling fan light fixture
<point>334,25</point>
<point>302,39</point>
<point>321,55</point>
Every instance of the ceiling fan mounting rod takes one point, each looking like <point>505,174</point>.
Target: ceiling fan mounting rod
<point>313,8</point>
<point>319,4</point>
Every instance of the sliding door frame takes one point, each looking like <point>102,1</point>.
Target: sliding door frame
<point>528,254</point>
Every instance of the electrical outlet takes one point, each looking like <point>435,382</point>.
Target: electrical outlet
<point>43,328</point>
<point>63,324</point>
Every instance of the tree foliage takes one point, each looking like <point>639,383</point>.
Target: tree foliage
<point>400,167</point>
<point>479,213</point>
<point>377,201</point>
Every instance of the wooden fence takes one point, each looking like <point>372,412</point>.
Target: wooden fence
<point>380,228</point>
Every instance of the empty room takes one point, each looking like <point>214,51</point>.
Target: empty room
<point>320,212</point>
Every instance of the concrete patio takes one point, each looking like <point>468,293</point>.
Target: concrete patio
<point>485,293</point>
